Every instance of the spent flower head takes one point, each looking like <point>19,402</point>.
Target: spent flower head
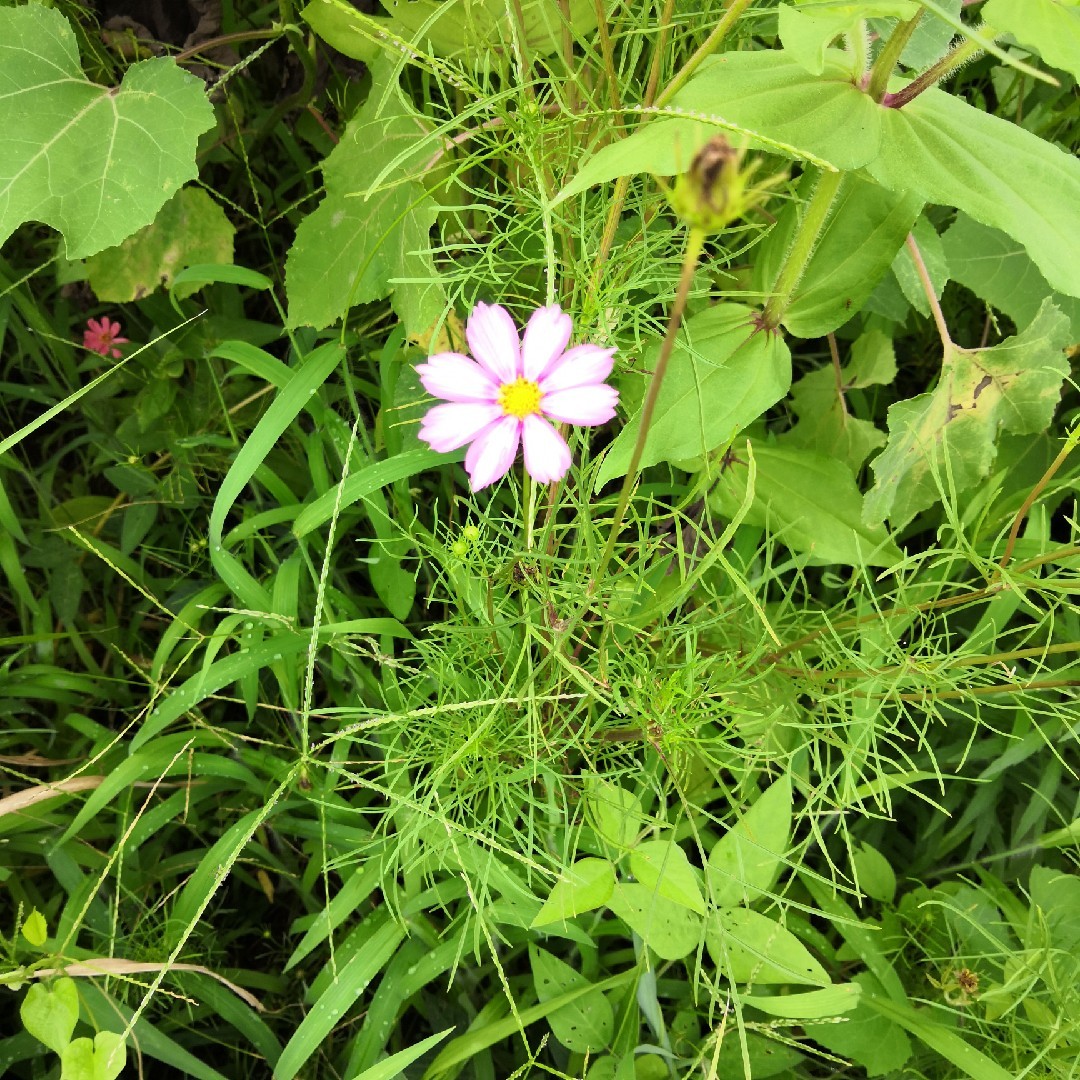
<point>511,389</point>
<point>102,336</point>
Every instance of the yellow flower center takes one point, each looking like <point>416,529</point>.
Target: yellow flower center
<point>520,398</point>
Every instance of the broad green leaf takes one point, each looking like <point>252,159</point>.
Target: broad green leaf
<point>746,861</point>
<point>932,253</point>
<point>468,31</point>
<point>190,229</point>
<point>762,101</point>
<point>946,440</point>
<point>826,424</point>
<point>93,162</point>
<point>866,228</point>
<point>1051,26</point>
<point>749,947</point>
<point>936,147</point>
<point>998,270</point>
<point>951,153</point>
<point>614,813</point>
<point>724,373</point>
<point>49,1012</point>
<point>812,1005</point>
<point>808,501</point>
<point>662,866</point>
<point>877,1044</point>
<point>772,94</point>
<point>584,886</point>
<point>587,1024</point>
<point>35,929</point>
<point>667,146</point>
<point>369,237</point>
<point>101,1059</point>
<point>670,930</point>
<point>808,29</point>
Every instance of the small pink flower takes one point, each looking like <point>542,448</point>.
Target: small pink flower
<point>101,337</point>
<point>512,390</point>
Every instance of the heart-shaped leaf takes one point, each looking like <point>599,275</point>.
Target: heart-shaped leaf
<point>50,1012</point>
<point>94,162</point>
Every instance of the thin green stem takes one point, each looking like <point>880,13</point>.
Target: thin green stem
<point>886,63</point>
<point>694,244</point>
<point>815,214</point>
<point>528,510</point>
<point>706,49</point>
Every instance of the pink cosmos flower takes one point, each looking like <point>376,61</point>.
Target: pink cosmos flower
<point>512,390</point>
<point>101,337</point>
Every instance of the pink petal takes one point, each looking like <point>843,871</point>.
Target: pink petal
<point>579,366</point>
<point>446,427</point>
<point>586,405</point>
<point>493,338</point>
<point>454,377</point>
<point>95,326</point>
<point>546,338</point>
<point>493,452</point>
<point>547,457</point>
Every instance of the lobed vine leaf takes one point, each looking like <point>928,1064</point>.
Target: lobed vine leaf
<point>368,238</point>
<point>95,163</point>
<point>819,399</point>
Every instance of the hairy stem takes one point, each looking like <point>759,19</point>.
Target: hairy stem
<point>946,66</point>
<point>808,232</point>
<point>886,63</point>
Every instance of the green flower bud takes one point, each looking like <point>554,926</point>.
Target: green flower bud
<point>716,190</point>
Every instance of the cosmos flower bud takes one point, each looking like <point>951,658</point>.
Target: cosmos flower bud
<point>716,190</point>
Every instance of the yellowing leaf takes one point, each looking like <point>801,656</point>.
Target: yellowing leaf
<point>945,441</point>
<point>190,229</point>
<point>35,929</point>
